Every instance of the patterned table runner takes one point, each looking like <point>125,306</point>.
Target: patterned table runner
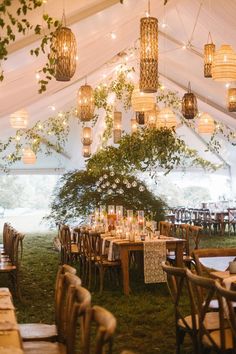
<point>154,254</point>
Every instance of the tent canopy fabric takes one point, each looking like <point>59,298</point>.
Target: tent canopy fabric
<point>183,30</point>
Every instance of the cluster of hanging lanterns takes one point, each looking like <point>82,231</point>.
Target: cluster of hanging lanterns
<point>87,141</point>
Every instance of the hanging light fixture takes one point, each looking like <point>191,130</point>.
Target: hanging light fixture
<point>209,50</point>
<point>206,124</point>
<point>140,118</point>
<point>19,119</point>
<point>28,157</point>
<point>86,150</point>
<point>151,117</point>
<point>85,107</point>
<point>148,53</point>
<point>166,118</point>
<point>87,136</point>
<point>117,127</point>
<point>224,64</point>
<point>64,48</point>
<point>189,104</point>
<point>232,99</point>
<point>142,102</point>
<point>134,125</point>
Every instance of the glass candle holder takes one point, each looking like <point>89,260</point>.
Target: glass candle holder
<point>130,216</point>
<point>111,209</point>
<point>97,214</point>
<point>141,220</point>
<point>119,212</point>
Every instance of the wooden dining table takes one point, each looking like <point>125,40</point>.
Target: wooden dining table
<point>126,246</point>
<point>10,338</point>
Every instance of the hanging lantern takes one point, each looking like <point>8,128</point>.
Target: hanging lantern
<point>85,108</point>
<point>151,117</point>
<point>86,150</point>
<point>148,54</point>
<point>28,157</point>
<point>19,119</point>
<point>189,104</point>
<point>209,50</point>
<point>142,102</point>
<point>140,118</point>
<point>232,99</point>
<point>224,64</point>
<point>206,124</point>
<point>87,136</point>
<point>64,50</point>
<point>166,118</point>
<point>134,125</point>
<point>117,127</point>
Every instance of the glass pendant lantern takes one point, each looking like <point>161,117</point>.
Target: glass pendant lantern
<point>189,104</point>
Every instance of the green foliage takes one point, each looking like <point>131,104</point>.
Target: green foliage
<point>76,195</point>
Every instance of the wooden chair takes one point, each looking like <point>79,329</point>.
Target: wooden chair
<point>202,291</point>
<point>214,257</point>
<point>69,249</point>
<point>78,301</point>
<point>224,340</point>
<point>177,285</point>
<point>165,228</point>
<point>46,332</point>
<point>194,233</point>
<point>105,324</point>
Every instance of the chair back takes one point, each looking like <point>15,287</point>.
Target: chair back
<point>177,285</point>
<point>182,231</point>
<point>227,300</point>
<point>105,324</point>
<point>194,233</point>
<point>165,228</point>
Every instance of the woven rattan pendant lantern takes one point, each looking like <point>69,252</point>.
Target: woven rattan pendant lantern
<point>206,124</point>
<point>232,99</point>
<point>140,118</point>
<point>142,102</point>
<point>87,136</point>
<point>85,107</point>
<point>86,150</point>
<point>28,157</point>
<point>224,64</point>
<point>134,125</point>
<point>151,117</point>
<point>19,119</point>
<point>189,104</point>
<point>148,53</point>
<point>166,118</point>
<point>117,127</point>
<point>63,51</point>
<point>209,50</point>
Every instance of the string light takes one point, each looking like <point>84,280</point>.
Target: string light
<point>113,35</point>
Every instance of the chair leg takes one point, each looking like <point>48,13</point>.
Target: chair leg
<point>179,339</point>
<point>101,276</point>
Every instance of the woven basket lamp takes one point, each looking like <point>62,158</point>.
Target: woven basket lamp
<point>134,125</point>
<point>232,99</point>
<point>19,119</point>
<point>64,50</point>
<point>85,106</point>
<point>224,64</point>
<point>28,157</point>
<point>87,136</point>
<point>142,102</point>
<point>206,124</point>
<point>209,50</point>
<point>140,118</point>
<point>151,117</point>
<point>166,118</point>
<point>148,54</point>
<point>117,127</point>
<point>189,104</point>
<point>86,150</point>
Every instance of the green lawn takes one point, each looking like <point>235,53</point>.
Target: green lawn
<point>145,319</point>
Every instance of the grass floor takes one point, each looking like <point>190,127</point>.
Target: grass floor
<point>145,318</point>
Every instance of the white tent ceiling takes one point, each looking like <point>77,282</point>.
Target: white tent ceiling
<point>92,21</point>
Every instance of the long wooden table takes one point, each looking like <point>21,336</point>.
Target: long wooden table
<point>126,247</point>
<point>10,339</point>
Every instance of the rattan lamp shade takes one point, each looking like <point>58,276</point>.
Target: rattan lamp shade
<point>142,102</point>
<point>232,99</point>
<point>189,104</point>
<point>64,52</point>
<point>209,50</point>
<point>148,54</point>
<point>85,106</point>
<point>224,64</point>
<point>117,127</point>
<point>28,157</point>
<point>166,118</point>
<point>19,119</point>
<point>86,150</point>
<point>87,136</point>
<point>151,117</point>
<point>206,124</point>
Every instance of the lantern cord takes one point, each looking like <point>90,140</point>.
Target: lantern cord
<point>63,21</point>
<point>149,8</point>
<point>195,24</point>
<point>189,87</point>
